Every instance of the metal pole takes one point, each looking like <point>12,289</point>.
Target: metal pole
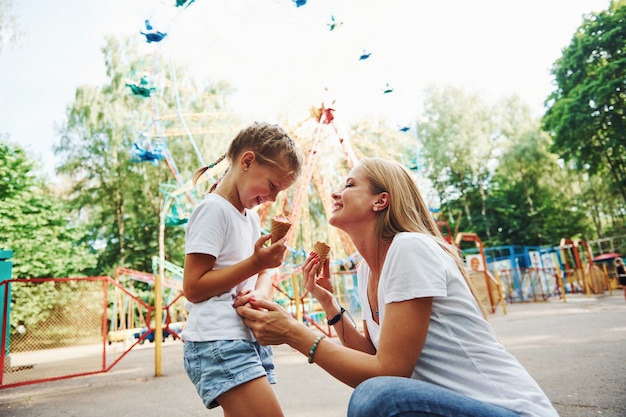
<point>296,297</point>
<point>158,295</point>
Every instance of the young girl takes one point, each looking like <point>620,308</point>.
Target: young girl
<point>427,349</point>
<point>226,257</point>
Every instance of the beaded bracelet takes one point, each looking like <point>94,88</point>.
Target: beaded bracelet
<point>314,347</point>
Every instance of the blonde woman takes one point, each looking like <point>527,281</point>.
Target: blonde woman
<point>426,349</point>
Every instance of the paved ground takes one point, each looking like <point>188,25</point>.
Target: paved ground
<point>575,350</point>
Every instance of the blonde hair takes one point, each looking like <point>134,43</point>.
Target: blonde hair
<point>407,211</point>
<point>271,145</point>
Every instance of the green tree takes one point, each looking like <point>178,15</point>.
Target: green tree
<point>459,142</point>
<point>493,165</point>
<point>48,240</point>
<point>533,200</point>
<point>586,112</point>
<point>140,106</point>
<point>8,23</point>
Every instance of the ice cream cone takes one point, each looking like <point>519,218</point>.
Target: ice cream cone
<point>280,226</point>
<point>322,250</point>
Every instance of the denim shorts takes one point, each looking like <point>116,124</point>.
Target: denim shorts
<point>218,366</point>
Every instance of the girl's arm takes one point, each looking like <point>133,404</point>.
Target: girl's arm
<point>264,284</point>
<point>263,289</point>
<point>402,338</point>
<point>347,331</point>
<point>201,281</point>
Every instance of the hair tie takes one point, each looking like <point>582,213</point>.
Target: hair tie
<point>217,161</point>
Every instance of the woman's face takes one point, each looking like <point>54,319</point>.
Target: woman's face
<point>354,203</point>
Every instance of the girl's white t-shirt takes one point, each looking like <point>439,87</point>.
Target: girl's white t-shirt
<point>461,351</point>
<point>217,228</point>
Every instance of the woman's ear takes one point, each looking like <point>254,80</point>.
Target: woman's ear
<point>382,201</point>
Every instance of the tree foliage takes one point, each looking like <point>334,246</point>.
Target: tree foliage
<point>494,171</point>
<point>121,199</point>
<point>8,23</point>
<point>459,140</point>
<point>586,112</point>
<point>47,239</point>
<point>532,199</point>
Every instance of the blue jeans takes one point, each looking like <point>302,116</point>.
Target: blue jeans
<point>389,396</point>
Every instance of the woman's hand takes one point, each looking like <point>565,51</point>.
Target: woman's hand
<point>321,287</point>
<point>270,323</point>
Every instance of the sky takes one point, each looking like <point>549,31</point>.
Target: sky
<point>282,58</point>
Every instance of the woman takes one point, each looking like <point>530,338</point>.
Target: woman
<point>426,348</point>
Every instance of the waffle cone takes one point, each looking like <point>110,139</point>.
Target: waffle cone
<point>322,250</point>
<point>280,227</point>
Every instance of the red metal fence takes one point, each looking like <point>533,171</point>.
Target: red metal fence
<point>57,328</point>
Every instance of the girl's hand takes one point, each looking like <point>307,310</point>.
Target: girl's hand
<point>268,256</point>
<point>247,296</point>
<point>321,287</point>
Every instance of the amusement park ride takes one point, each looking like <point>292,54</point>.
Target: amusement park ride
<point>329,155</point>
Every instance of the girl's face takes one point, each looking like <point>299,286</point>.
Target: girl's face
<point>354,203</point>
<point>259,184</point>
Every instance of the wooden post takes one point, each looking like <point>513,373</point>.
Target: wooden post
<point>607,280</point>
<point>500,293</point>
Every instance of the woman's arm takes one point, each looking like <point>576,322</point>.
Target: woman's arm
<point>347,331</point>
<point>402,338</point>
<point>320,286</point>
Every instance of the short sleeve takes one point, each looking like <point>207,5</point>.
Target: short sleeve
<point>207,229</point>
<point>416,267</point>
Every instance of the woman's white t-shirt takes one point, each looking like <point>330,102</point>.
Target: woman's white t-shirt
<point>217,228</point>
<point>461,351</point>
